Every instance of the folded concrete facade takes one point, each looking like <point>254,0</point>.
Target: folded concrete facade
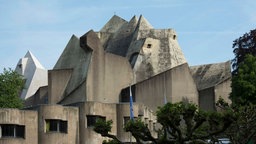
<point>94,75</point>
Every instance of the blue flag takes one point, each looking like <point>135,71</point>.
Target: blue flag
<point>131,105</point>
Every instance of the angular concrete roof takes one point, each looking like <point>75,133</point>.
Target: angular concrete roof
<point>209,75</point>
<point>149,50</point>
<point>76,58</point>
<point>113,24</point>
<point>34,60</point>
<point>120,41</point>
<point>34,74</point>
<point>144,24</point>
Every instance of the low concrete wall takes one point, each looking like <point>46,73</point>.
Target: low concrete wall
<point>57,112</point>
<point>26,118</point>
<point>87,134</point>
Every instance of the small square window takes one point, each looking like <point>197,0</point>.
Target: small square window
<point>149,45</point>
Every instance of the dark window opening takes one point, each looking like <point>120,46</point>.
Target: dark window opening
<point>56,126</point>
<point>149,45</point>
<point>10,130</point>
<point>20,131</point>
<point>63,126</point>
<point>92,119</point>
<point>125,94</point>
<point>174,37</point>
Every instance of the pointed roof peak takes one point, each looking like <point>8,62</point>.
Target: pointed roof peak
<point>29,54</point>
<point>134,20</point>
<point>143,23</point>
<point>116,16</point>
<point>113,24</point>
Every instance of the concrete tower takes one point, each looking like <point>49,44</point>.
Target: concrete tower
<point>34,73</point>
<point>150,51</point>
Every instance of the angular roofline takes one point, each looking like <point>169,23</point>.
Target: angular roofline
<point>34,59</point>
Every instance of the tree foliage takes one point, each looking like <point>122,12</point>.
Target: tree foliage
<point>139,131</point>
<point>242,46</point>
<point>243,129</point>
<point>11,84</point>
<point>185,123</point>
<point>243,94</point>
<point>180,123</point>
<point>104,127</point>
<point>244,82</point>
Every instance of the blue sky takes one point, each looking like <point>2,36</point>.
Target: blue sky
<point>205,28</point>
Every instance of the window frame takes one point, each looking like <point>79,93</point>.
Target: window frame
<point>12,131</point>
<point>56,125</point>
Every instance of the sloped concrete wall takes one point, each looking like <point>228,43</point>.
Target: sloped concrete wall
<point>77,59</point>
<point>177,84</point>
<point>107,74</point>
<point>160,52</point>
<point>57,83</point>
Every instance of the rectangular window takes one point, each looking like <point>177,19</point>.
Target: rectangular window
<point>12,130</point>
<point>91,119</point>
<point>20,131</point>
<point>125,94</point>
<point>64,126</point>
<point>53,125</point>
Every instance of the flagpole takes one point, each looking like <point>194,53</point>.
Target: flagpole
<point>131,110</point>
<point>131,105</point>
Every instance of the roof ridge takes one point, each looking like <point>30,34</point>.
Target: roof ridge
<point>29,54</point>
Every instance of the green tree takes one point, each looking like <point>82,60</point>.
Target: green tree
<point>181,123</point>
<point>11,84</point>
<point>244,82</point>
<point>185,123</point>
<point>139,131</point>
<point>243,94</point>
<point>243,129</point>
<point>103,128</point>
<point>242,46</point>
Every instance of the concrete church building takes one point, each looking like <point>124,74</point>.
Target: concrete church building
<point>91,81</point>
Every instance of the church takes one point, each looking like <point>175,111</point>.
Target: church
<point>94,78</point>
